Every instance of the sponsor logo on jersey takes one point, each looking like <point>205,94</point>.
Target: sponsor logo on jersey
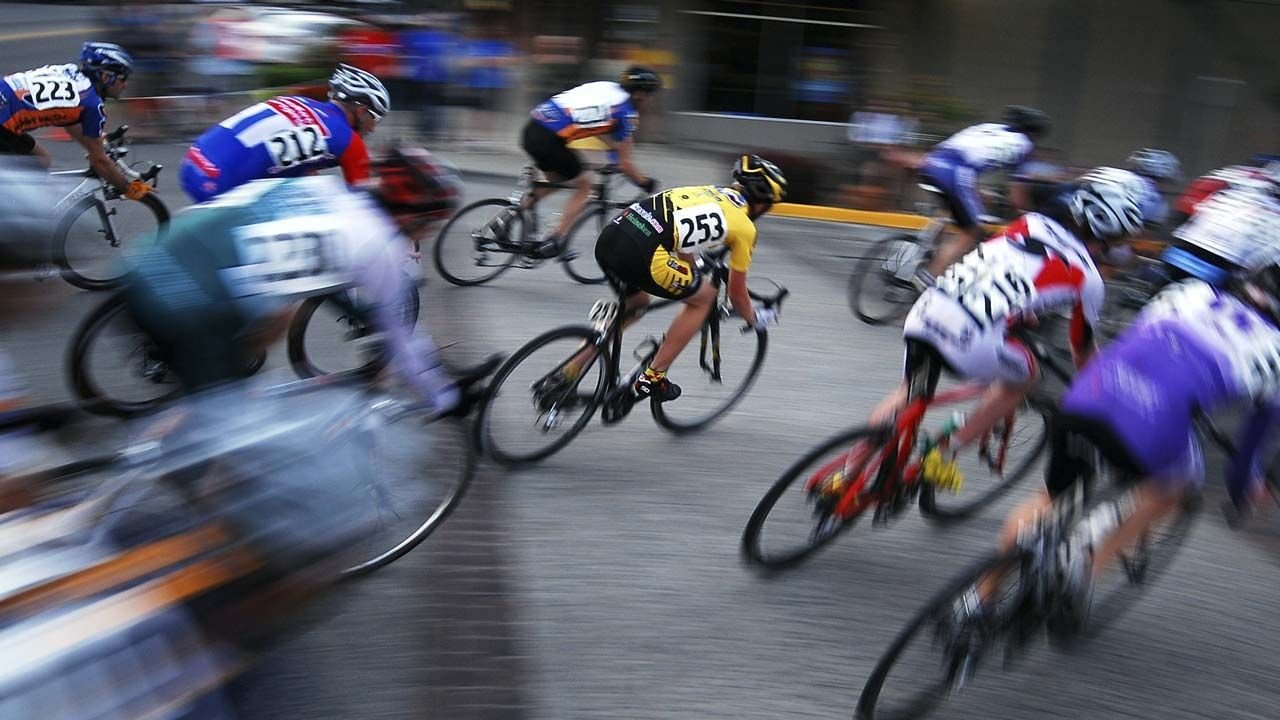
<point>635,208</point>
<point>25,120</point>
<point>546,112</point>
<point>734,197</point>
<point>297,112</point>
<point>207,167</point>
<point>631,218</point>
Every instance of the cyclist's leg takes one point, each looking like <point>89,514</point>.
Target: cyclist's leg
<point>917,351</point>
<point>12,143</point>
<point>672,277</point>
<point>1012,367</point>
<point>551,155</point>
<point>960,188</point>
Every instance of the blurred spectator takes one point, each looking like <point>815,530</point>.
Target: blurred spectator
<point>427,51</point>
<point>484,62</point>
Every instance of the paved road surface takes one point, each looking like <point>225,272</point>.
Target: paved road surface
<point>605,583</point>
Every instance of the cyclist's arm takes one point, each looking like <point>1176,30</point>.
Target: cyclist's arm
<point>99,161</point>
<point>622,148</point>
<point>1245,476</point>
<point>739,297</point>
<point>355,160</point>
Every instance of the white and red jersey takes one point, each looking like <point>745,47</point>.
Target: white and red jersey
<point>1035,265</point>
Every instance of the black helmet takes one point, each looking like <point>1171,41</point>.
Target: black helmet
<point>761,180</point>
<point>639,79</point>
<point>1026,120</point>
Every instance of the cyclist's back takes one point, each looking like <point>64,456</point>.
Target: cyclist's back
<point>589,110</point>
<point>52,95</point>
<point>985,147</point>
<point>285,136</point>
<point>1223,232</point>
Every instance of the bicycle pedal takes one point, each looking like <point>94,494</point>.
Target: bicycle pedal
<point>617,407</point>
<point>647,348</point>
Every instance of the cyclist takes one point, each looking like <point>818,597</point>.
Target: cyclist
<point>1039,263</point>
<point>649,250</point>
<point>289,136</point>
<point>228,272</point>
<point>73,97</point>
<point>953,166</point>
<point>607,110</point>
<point>1195,348</point>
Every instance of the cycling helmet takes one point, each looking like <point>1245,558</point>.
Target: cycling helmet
<point>107,58</point>
<point>1106,205</point>
<point>351,84</point>
<point>1026,120</point>
<point>639,79</point>
<point>761,181</point>
<point>415,181</point>
<point>1157,164</point>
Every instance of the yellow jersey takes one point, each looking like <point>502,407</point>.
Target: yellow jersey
<point>695,218</point>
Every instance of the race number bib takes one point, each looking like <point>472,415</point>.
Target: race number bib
<point>700,225</point>
<point>297,145</point>
<point>590,116</point>
<point>989,289</point>
<point>283,257</point>
<point>48,90</point>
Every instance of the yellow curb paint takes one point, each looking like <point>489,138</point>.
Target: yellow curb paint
<point>903,221</point>
<point>36,34</point>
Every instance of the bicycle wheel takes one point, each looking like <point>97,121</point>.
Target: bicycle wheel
<point>579,256</point>
<point>782,533</point>
<point>86,243</point>
<point>981,463</point>
<point>511,407</point>
<point>326,337</point>
<point>713,376</point>
<point>466,250</point>
<point>937,652</point>
<point>419,476</point>
<point>1138,566</point>
<point>880,289</point>
<point>113,368</point>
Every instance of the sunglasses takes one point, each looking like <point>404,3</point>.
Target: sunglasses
<point>377,116</point>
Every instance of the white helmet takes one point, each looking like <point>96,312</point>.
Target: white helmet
<point>351,84</point>
<point>1158,164</point>
<point>1107,202</point>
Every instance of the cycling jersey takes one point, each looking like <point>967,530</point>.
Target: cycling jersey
<point>52,95</point>
<point>1194,347</point>
<point>282,137</point>
<point>1223,233</point>
<point>641,248</point>
<point>1035,265</point>
<point>954,164</point>
<point>597,108</point>
<point>246,255</point>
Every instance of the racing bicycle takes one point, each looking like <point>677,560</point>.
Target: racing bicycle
<point>489,237</point>
<point>876,471</point>
<point>95,219</point>
<point>530,392</point>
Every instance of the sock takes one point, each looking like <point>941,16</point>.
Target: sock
<point>652,375</point>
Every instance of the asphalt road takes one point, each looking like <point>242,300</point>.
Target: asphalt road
<point>606,582</point>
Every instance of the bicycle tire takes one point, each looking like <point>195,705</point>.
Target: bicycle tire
<point>87,391</point>
<point>927,698</point>
<point>934,507</point>
<point>752,546</point>
<point>59,241</point>
<point>306,367</point>
<point>871,275</point>
<point>583,267</point>
<point>484,432</point>
<point>678,425</point>
<point>508,259</point>
<point>435,516</point>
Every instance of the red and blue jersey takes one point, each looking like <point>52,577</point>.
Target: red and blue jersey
<point>283,137</point>
<point>52,95</point>
<point>597,108</point>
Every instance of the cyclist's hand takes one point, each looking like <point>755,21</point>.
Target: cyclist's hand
<point>137,190</point>
<point>649,185</point>
<point>766,317</point>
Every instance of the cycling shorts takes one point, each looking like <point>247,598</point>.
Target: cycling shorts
<point>959,185</point>
<point>1077,440</point>
<point>12,143</point>
<point>550,152</point>
<point>633,265</point>
<point>972,351</point>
